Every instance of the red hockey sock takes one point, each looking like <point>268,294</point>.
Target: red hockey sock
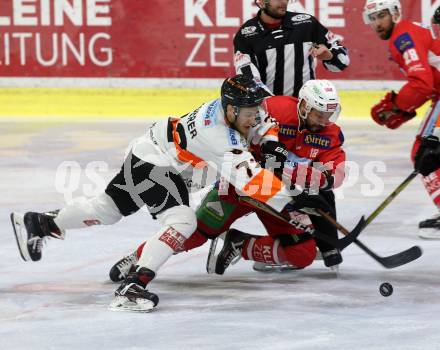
<point>268,250</point>
<point>264,249</point>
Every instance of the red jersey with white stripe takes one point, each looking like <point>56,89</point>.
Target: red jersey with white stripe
<point>417,53</point>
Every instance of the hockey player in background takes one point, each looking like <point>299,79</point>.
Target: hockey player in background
<point>156,174</point>
<point>281,48</point>
<point>308,153</point>
<point>417,53</point>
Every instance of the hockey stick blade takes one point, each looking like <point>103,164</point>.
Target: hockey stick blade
<point>352,236</point>
<point>340,243</point>
<point>395,260</point>
<point>389,262</point>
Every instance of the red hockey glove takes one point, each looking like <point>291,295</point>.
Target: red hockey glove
<point>387,113</point>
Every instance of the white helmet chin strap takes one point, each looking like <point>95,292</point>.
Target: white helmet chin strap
<point>307,108</point>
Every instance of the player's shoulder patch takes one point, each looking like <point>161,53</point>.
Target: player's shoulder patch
<point>403,42</point>
<point>300,17</point>
<point>249,30</point>
<point>296,18</point>
<point>210,115</point>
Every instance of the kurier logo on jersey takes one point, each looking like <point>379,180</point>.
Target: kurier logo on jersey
<point>318,141</point>
<point>403,42</point>
<point>287,131</point>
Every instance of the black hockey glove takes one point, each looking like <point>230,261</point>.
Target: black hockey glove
<point>308,203</point>
<point>273,154</point>
<point>427,158</point>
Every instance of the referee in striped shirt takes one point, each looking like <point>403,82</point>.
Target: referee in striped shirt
<point>281,48</point>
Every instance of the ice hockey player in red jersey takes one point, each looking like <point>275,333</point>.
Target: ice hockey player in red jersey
<point>309,153</point>
<point>158,173</point>
<point>417,53</point>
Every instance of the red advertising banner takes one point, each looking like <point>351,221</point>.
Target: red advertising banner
<point>167,38</point>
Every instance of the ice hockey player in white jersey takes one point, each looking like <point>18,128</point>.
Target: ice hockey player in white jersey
<point>156,174</point>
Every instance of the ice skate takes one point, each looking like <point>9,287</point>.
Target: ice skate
<point>212,254</point>
<point>122,268</point>
<point>231,251</point>
<point>332,259</point>
<point>430,228</point>
<point>30,230</point>
<point>132,294</point>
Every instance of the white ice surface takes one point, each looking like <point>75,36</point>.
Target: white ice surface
<point>61,301</point>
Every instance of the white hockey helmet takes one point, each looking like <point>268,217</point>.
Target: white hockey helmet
<point>373,6</point>
<point>320,95</point>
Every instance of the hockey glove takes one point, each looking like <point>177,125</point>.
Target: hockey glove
<point>308,203</point>
<point>427,158</point>
<point>387,113</point>
<point>273,154</point>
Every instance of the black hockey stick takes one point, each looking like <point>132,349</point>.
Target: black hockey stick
<point>389,262</point>
<point>349,238</point>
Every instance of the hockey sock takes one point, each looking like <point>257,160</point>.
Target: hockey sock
<point>432,185</point>
<point>264,249</point>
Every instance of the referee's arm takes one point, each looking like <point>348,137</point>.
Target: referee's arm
<point>340,59</point>
<point>243,58</point>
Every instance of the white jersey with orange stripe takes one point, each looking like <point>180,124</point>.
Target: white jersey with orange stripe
<point>202,146</point>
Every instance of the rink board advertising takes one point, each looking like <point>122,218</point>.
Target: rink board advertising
<point>166,38</point>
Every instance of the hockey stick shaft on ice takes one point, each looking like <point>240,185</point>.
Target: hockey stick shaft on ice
<point>349,238</point>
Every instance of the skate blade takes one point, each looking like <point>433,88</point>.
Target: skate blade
<point>318,255</point>
<point>267,268</point>
<point>335,270</point>
<point>212,256</point>
<point>17,221</point>
<point>431,234</point>
<point>121,303</point>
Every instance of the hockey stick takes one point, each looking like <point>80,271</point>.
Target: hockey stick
<point>349,238</point>
<point>388,262</point>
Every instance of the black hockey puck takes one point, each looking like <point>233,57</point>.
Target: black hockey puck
<point>386,289</point>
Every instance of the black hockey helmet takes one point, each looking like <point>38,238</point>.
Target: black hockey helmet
<point>242,91</point>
